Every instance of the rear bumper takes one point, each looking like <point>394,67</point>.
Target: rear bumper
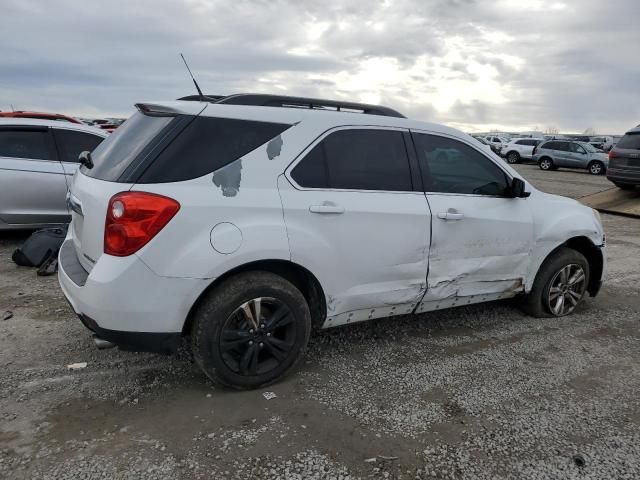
<point>124,302</point>
<point>623,175</point>
<point>156,342</point>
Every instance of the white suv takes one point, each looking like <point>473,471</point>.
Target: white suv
<point>520,148</point>
<point>244,223</point>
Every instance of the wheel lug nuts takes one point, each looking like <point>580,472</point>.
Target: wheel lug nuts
<point>262,325</point>
<point>250,342</point>
<point>251,330</point>
<point>269,334</point>
<point>261,344</point>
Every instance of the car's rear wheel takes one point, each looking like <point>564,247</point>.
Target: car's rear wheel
<point>513,157</point>
<point>251,330</point>
<point>546,164</point>
<point>624,186</point>
<point>559,286</point>
<point>596,168</point>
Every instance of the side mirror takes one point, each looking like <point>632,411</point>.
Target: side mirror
<point>85,159</point>
<point>517,189</point>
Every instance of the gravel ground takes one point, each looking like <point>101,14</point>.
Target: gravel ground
<point>475,392</point>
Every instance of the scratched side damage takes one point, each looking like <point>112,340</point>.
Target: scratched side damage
<point>274,147</point>
<point>228,178</point>
<point>476,276</point>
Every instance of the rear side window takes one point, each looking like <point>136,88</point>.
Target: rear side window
<point>630,141</point>
<point>71,144</point>
<point>522,142</point>
<point>206,145</point>
<point>358,159</point>
<point>118,150</point>
<point>561,146</point>
<point>450,166</point>
<point>32,144</point>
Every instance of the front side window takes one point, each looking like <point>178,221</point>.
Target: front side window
<point>575,148</point>
<point>358,159</point>
<point>31,144</point>
<point>71,144</point>
<point>450,166</point>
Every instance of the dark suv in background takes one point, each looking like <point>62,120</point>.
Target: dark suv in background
<point>624,160</point>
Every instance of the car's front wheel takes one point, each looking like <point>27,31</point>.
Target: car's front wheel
<point>251,330</point>
<point>596,168</point>
<point>560,284</point>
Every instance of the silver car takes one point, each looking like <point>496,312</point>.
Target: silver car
<point>553,154</point>
<point>37,160</point>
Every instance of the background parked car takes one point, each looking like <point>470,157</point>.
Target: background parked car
<point>519,148</point>
<point>497,141</point>
<point>39,115</point>
<point>494,148</point>
<point>604,143</point>
<point>37,161</point>
<point>624,160</point>
<point>554,154</point>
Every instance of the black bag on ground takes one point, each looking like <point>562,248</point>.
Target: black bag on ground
<point>41,249</point>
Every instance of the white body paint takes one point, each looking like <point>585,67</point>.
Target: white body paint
<point>374,254</point>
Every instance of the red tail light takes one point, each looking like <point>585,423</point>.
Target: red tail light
<point>612,154</point>
<point>133,219</point>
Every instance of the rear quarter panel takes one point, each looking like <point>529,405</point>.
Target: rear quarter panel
<point>243,193</point>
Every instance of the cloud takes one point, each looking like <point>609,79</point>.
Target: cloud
<point>476,65</point>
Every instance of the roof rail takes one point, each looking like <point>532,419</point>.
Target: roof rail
<point>264,100</point>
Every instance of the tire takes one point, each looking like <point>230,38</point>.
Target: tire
<point>596,168</point>
<point>541,300</point>
<point>513,157</point>
<point>546,164</point>
<point>236,352</point>
<point>624,186</point>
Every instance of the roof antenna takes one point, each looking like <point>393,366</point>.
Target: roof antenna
<point>194,80</point>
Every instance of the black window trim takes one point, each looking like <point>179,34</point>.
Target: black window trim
<point>411,155</point>
<point>509,177</point>
<point>51,145</point>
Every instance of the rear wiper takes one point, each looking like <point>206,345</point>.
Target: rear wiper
<point>85,159</point>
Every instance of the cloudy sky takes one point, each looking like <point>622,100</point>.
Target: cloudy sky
<point>472,64</point>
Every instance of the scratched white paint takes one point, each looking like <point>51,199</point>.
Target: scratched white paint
<point>378,254</point>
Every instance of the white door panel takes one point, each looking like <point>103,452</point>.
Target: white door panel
<point>484,249</point>
<point>368,249</point>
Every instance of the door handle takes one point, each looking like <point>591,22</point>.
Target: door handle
<point>451,215</point>
<point>326,208</point>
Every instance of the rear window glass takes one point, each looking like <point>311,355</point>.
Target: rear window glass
<point>116,153</point>
<point>630,141</point>
<point>206,145</point>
